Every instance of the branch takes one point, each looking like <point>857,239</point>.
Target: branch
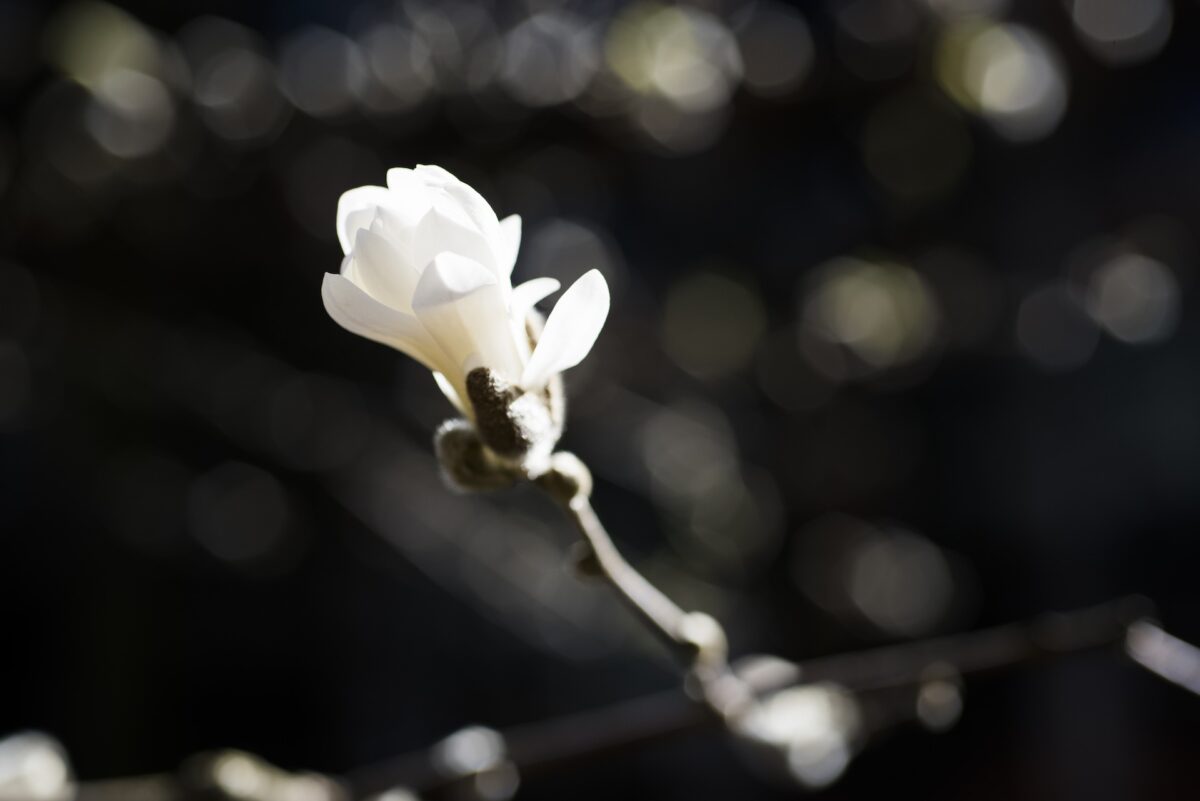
<point>543,747</point>
<point>663,616</point>
<point>697,639</point>
<point>558,743</point>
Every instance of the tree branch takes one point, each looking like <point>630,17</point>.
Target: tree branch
<point>562,742</point>
<point>547,746</point>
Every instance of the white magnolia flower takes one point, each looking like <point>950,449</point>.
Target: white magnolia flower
<point>428,271</point>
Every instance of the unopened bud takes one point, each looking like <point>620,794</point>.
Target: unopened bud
<point>238,776</point>
<point>514,424</point>
<point>806,734</point>
<point>466,464</point>
<point>33,767</point>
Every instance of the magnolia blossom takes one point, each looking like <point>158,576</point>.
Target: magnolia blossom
<point>427,271</point>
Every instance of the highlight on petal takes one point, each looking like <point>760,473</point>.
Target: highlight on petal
<point>359,313</point>
<point>570,331</point>
<point>510,236</point>
<point>527,295</point>
<point>464,308</point>
<point>449,278</point>
<point>356,209</point>
<point>438,232</point>
<point>459,198</point>
<point>401,178</point>
<point>452,394</point>
<point>382,271</point>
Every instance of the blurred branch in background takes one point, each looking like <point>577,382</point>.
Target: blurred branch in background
<point>918,681</point>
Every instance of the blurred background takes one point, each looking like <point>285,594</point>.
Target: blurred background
<point>903,342</point>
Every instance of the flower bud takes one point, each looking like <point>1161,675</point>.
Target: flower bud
<point>238,776</point>
<point>466,464</point>
<point>516,425</point>
<point>806,733</point>
<point>34,767</point>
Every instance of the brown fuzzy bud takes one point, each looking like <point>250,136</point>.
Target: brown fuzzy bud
<point>466,464</point>
<point>515,425</point>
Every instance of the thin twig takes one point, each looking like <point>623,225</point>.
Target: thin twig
<point>664,617</point>
<point>697,639</point>
<point>975,652</point>
<point>1164,655</point>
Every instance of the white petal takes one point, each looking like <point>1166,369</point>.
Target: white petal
<point>450,277</point>
<point>466,210</point>
<point>452,394</point>
<point>525,296</point>
<point>382,271</point>
<point>359,313</point>
<point>461,305</point>
<point>440,233</point>
<point>400,178</point>
<point>356,209</point>
<point>471,203</point>
<point>510,230</point>
<point>435,175</point>
<point>570,331</point>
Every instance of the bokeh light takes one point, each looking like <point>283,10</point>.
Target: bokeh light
<point>240,513</point>
<point>131,114</point>
<point>1006,73</point>
<point>34,767</point>
<point>235,86</point>
<point>550,58</point>
<point>880,311</point>
<point>1122,33</point>
<point>1054,330</point>
<point>877,38</point>
<point>401,73</point>
<point>777,48</point>
<point>321,71</point>
<point>883,578</point>
<point>916,146</point>
<point>1135,298</point>
<point>813,727</point>
<point>712,325</point>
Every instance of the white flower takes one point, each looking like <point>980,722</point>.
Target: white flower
<point>428,271</point>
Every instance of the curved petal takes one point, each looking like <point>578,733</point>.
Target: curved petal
<point>464,209</point>
<point>359,313</point>
<point>435,175</point>
<point>472,204</point>
<point>453,395</point>
<point>434,182</point>
<point>510,231</point>
<point>438,232</point>
<point>356,209</point>
<point>461,305</point>
<point>570,331</point>
<point>382,271</point>
<point>525,296</point>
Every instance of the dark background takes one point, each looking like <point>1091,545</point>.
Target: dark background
<point>895,350</point>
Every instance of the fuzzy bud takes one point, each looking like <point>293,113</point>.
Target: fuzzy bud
<point>515,425</point>
<point>466,464</point>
